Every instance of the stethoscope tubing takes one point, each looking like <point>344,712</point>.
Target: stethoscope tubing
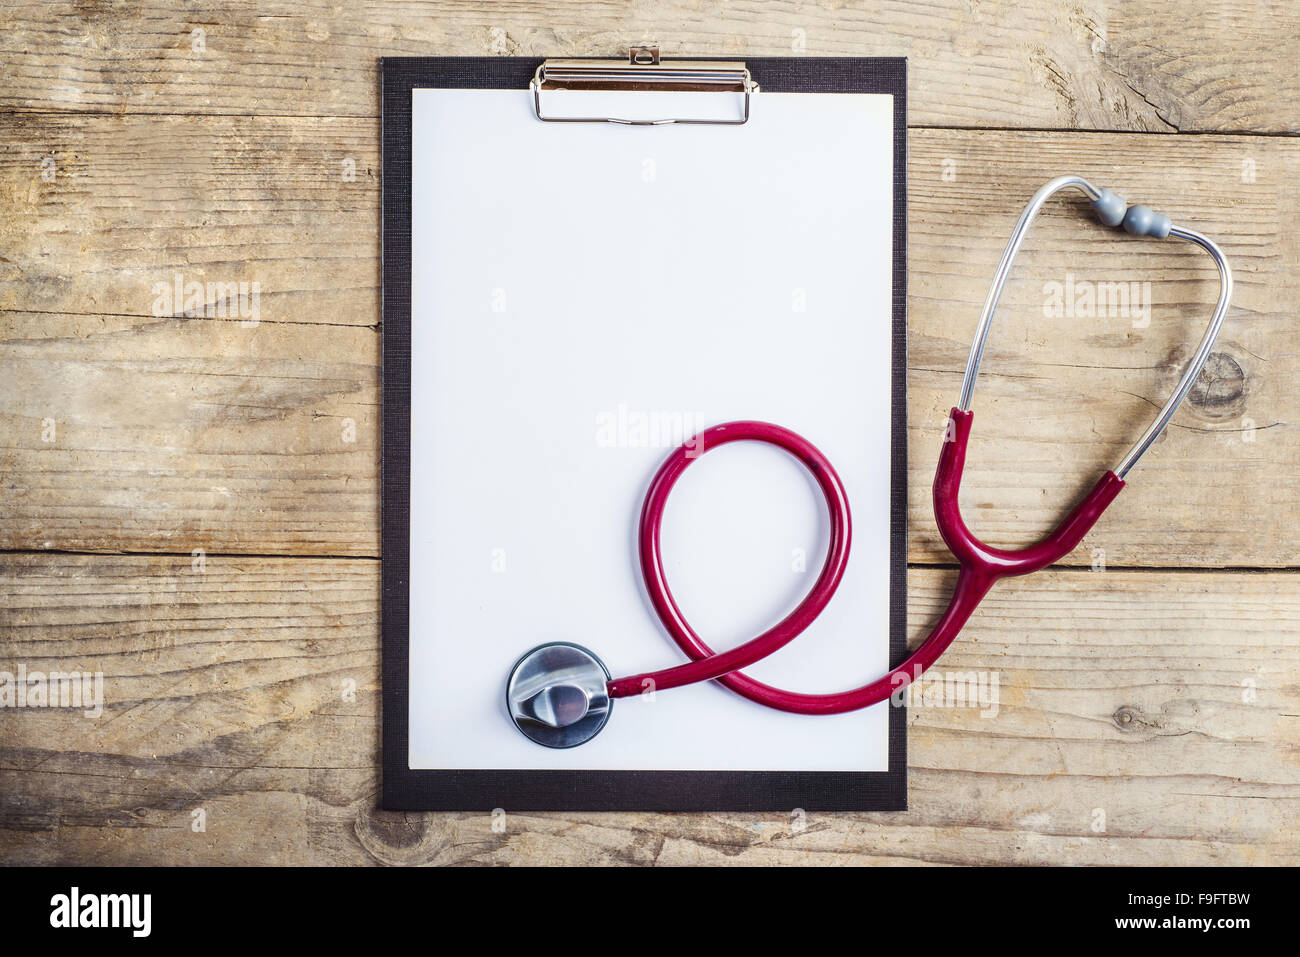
<point>980,565</point>
<point>705,664</point>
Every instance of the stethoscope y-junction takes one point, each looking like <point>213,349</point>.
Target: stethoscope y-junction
<point>560,694</point>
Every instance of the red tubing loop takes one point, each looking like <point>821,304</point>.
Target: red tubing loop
<point>980,567</point>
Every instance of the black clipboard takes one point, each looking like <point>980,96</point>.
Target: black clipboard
<point>405,788</point>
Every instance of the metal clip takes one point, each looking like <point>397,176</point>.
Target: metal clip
<point>643,71</point>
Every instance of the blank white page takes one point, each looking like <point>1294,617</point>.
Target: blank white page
<point>584,294</point>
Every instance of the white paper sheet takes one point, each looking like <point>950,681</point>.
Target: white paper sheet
<point>582,294</point>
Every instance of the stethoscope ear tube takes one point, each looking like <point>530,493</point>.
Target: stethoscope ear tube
<point>1111,210</point>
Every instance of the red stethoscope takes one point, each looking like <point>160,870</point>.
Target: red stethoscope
<point>560,694</point>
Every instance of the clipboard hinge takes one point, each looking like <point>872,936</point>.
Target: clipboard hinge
<point>644,71</point>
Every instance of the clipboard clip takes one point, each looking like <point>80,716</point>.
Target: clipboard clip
<point>644,71</point>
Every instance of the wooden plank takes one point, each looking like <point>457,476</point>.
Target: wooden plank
<point>181,434</point>
<point>1153,723</point>
<point>1063,393</point>
<point>228,436</point>
<point>1118,65</point>
<point>108,214</point>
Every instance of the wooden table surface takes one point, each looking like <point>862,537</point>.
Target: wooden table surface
<point>189,502</point>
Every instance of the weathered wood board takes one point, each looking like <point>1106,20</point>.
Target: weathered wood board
<point>1191,65</point>
<point>1155,723</point>
<point>261,434</point>
<point>189,490</point>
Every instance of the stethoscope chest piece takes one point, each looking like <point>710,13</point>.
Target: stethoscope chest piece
<point>557,696</point>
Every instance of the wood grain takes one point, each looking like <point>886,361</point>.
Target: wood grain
<point>224,690</point>
<point>99,209</point>
<point>1147,715</point>
<point>229,436</point>
<point>1221,65</point>
<point>181,434</point>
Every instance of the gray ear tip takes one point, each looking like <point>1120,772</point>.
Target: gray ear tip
<point>1109,208</point>
<point>1144,221</point>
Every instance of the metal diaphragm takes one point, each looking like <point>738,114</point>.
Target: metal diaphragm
<point>556,695</point>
